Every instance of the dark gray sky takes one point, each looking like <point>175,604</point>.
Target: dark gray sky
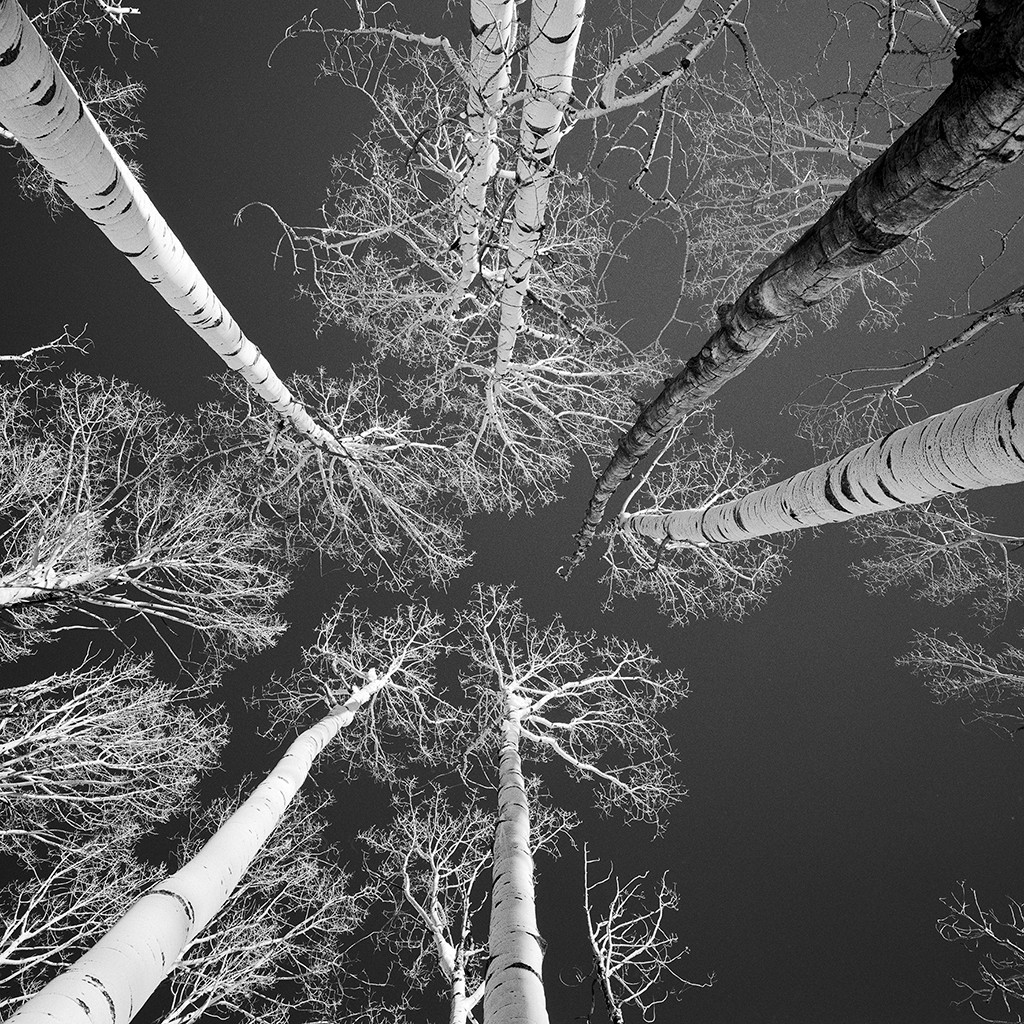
<point>832,804</point>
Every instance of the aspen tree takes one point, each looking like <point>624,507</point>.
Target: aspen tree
<point>62,907</point>
<point>104,747</point>
<point>954,668</point>
<point>944,553</point>
<point>40,108</point>
<point>502,323</point>
<point>970,132</point>
<point>978,444</point>
<point>282,930</point>
<point>532,690</point>
<point>110,509</point>
<point>435,856</point>
<point>633,952</point>
<point>493,34</point>
<point>391,505</point>
<point>998,994</point>
<point>110,983</point>
<point>687,581</point>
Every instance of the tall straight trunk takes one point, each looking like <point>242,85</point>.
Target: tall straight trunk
<point>975,128</point>
<point>112,981</point>
<point>554,33</point>
<point>43,112</point>
<point>492,25</point>
<point>514,991</point>
<point>976,445</point>
<point>459,1012</point>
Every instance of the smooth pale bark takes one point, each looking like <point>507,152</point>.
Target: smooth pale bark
<point>40,108</point>
<point>492,25</point>
<point>514,991</point>
<point>47,585</point>
<point>980,444</point>
<point>974,129</point>
<point>460,1007</point>
<point>111,983</point>
<point>554,33</point>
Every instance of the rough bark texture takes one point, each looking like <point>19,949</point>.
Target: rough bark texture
<point>42,110</point>
<point>110,983</point>
<point>553,35</point>
<point>492,26</point>
<point>976,445</point>
<point>514,992</point>
<point>975,128</point>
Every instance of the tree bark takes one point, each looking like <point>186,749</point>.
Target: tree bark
<point>112,981</point>
<point>554,33</point>
<point>514,992</point>
<point>492,26</point>
<point>980,444</point>
<point>975,128</point>
<point>40,108</point>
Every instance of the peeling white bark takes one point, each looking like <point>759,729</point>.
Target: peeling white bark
<point>112,981</point>
<point>554,33</point>
<point>40,108</point>
<point>514,991</point>
<point>979,444</point>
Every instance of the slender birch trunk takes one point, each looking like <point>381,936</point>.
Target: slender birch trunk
<point>112,981</point>
<point>973,130</point>
<point>554,33</point>
<point>514,990</point>
<point>980,444</point>
<point>459,1007</point>
<point>493,28</point>
<point>40,108</point>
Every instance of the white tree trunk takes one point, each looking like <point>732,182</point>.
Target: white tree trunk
<point>40,108</point>
<point>553,35</point>
<point>111,983</point>
<point>514,992</point>
<point>459,1013</point>
<point>980,444</point>
<point>492,24</point>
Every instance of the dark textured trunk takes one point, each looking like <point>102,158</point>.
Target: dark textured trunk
<point>975,128</point>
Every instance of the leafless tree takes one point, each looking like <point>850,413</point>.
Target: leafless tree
<point>391,504</point>
<point>452,242</point>
<point>945,553</point>
<point>849,407</point>
<point>383,265</point>
<point>111,509</point>
<point>60,908</point>
<point>692,581</point>
<point>917,177</point>
<point>589,702</point>
<point>278,944</point>
<point>957,669</point>
<point>436,857</point>
<point>998,995</point>
<point>126,965</point>
<point>633,953</point>
<point>102,748</point>
<point>38,356</point>
<point>396,656</point>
